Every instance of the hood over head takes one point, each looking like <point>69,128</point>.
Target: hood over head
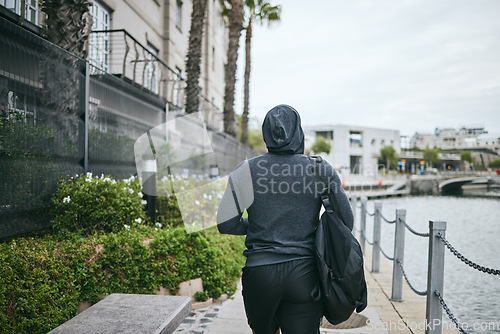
<point>282,131</point>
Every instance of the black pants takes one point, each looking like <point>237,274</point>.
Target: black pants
<point>283,295</point>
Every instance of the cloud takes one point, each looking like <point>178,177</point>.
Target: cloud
<point>401,64</point>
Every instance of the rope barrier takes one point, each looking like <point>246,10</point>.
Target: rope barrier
<point>368,242</point>
<point>386,256</point>
<point>413,231</point>
<point>388,221</point>
<point>449,313</point>
<point>466,260</point>
<point>420,293</point>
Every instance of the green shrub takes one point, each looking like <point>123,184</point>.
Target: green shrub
<point>87,204</point>
<point>44,279</point>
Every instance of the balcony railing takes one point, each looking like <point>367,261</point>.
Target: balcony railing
<point>118,53</point>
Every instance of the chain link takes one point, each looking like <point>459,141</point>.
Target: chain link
<point>368,242</point>
<point>466,260</point>
<point>420,293</point>
<point>388,221</point>
<point>370,214</point>
<point>386,256</point>
<point>448,312</point>
<point>413,231</point>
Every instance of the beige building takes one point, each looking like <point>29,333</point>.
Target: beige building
<point>148,40</point>
<point>145,42</point>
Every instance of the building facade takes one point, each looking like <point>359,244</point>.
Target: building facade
<point>145,42</point>
<point>354,149</point>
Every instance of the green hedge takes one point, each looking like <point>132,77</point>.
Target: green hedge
<point>86,204</point>
<point>44,279</point>
<point>102,243</point>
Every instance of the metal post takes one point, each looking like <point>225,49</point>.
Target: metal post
<point>354,203</point>
<point>376,237</point>
<point>435,276</point>
<point>149,183</point>
<point>86,119</point>
<point>399,253</point>
<point>362,226</point>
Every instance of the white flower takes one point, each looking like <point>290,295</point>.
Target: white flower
<point>76,175</point>
<point>209,197</point>
<point>205,196</point>
<point>66,199</point>
<point>197,202</point>
<point>113,182</point>
<point>138,220</point>
<point>126,181</point>
<point>144,202</point>
<point>107,179</point>
<point>219,196</point>
<point>158,224</point>
<point>88,180</point>
<point>156,229</point>
<point>89,175</point>
<point>102,176</point>
<point>140,194</point>
<point>130,190</point>
<point>126,226</point>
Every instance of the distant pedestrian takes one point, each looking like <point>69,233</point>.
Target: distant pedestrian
<point>278,190</point>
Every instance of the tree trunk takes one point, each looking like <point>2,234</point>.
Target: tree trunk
<point>244,118</point>
<point>194,56</point>
<point>235,27</point>
<point>68,24</point>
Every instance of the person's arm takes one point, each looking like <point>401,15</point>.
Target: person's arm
<point>343,203</point>
<point>229,214</point>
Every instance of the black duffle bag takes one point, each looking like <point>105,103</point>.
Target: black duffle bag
<point>340,260</point>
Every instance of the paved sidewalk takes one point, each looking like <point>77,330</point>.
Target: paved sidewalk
<point>384,316</point>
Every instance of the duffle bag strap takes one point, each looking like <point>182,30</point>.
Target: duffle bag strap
<point>324,190</point>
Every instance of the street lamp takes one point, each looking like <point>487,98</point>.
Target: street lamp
<point>214,171</point>
<point>149,183</point>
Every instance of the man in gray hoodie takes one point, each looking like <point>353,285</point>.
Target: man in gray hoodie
<point>279,192</point>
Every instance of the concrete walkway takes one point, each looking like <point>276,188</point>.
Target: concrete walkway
<point>384,316</point>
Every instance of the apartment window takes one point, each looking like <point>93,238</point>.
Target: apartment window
<point>178,14</point>
<point>356,138</point>
<point>151,65</point>
<point>99,42</point>
<point>325,134</point>
<point>177,86</point>
<point>31,10</point>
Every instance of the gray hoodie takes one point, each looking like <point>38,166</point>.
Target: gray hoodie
<point>279,192</point>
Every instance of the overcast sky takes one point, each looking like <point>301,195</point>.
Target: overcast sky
<point>411,65</point>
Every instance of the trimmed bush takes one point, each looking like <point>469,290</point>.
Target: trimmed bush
<point>87,204</point>
<point>44,279</point>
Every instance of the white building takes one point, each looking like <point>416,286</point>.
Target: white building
<point>354,149</point>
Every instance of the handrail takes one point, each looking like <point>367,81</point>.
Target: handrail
<point>437,243</point>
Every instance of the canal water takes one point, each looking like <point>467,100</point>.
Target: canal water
<point>473,228</point>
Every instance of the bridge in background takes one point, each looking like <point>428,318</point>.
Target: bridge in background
<point>454,186</point>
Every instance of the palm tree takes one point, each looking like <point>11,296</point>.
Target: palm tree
<point>68,24</point>
<point>235,26</point>
<point>194,56</point>
<point>259,11</point>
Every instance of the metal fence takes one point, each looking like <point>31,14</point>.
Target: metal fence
<point>60,117</point>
